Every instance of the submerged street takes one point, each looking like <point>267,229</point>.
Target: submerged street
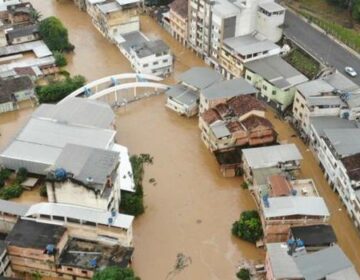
<point>190,208</point>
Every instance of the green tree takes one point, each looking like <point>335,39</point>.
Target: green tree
<point>12,191</point>
<point>115,273</point>
<point>248,227</point>
<point>35,15</point>
<point>55,35</point>
<point>243,274</point>
<point>60,59</point>
<point>56,91</point>
<point>132,203</point>
<point>43,191</point>
<point>21,175</point>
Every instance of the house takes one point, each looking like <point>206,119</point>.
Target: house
<point>55,134</point>
<point>152,57</point>
<point>184,97</point>
<point>5,269</point>
<point>116,17</point>
<point>285,157</point>
<point>329,263</point>
<point>275,79</point>
<point>237,51</point>
<point>34,247</point>
<point>325,96</point>
<point>23,34</point>
<point>238,122</point>
<point>178,17</point>
<point>14,90</point>
<point>314,237</point>
<point>222,91</point>
<point>278,214</point>
<point>20,14</point>
<point>230,162</point>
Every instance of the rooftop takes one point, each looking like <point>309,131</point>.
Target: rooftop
<point>13,208</point>
<point>324,263</point>
<point>110,7</point>
<point>280,186</point>
<point>148,48</point>
<point>344,141</point>
<point>282,264</point>
<point>29,234</point>
<point>330,122</point>
<point>255,121</point>
<point>132,39</point>
<point>22,31</point>
<point>183,94</point>
<point>352,165</point>
<point>249,44</point>
<point>81,253</point>
<point>200,77</point>
<point>271,7</point>
<point>12,85</point>
<point>271,156</point>
<point>180,7</point>
<point>261,175</point>
<point>295,206</point>
<point>91,166</point>
<point>240,105</point>
<point>78,111</point>
<point>38,47</point>
<point>228,89</point>
<point>277,71</point>
<point>314,235</point>
<point>80,213</point>
<point>228,157</point>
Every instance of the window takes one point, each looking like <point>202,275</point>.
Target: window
<point>71,220</point>
<point>296,109</point>
<point>248,77</point>
<point>165,61</point>
<point>300,115</point>
<point>297,100</point>
<point>274,92</point>
<point>264,87</point>
<point>302,106</point>
<point>145,65</point>
<point>69,269</point>
<point>155,63</point>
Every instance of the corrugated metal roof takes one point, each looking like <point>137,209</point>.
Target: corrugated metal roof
<point>270,156</point>
<point>200,77</point>
<point>13,208</point>
<point>295,205</point>
<point>330,122</point>
<point>126,172</point>
<point>183,94</point>
<point>80,213</point>
<point>249,44</point>
<point>345,141</point>
<point>228,89</point>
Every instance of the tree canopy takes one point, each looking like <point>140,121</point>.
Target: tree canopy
<point>248,227</point>
<point>352,5</point>
<point>115,273</point>
<point>55,35</point>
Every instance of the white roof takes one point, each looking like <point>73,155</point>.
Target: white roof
<point>126,172</point>
<point>295,205</point>
<point>270,156</point>
<point>39,48</point>
<point>13,208</point>
<point>80,213</point>
<point>127,2</point>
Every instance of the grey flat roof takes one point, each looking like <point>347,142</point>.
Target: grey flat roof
<point>282,264</point>
<point>200,77</point>
<point>132,39</point>
<point>295,205</point>
<point>314,88</point>
<point>225,8</point>
<point>149,48</point>
<point>182,94</point>
<point>220,130</point>
<point>345,141</point>
<point>270,156</point>
<point>127,2</point>
<point>228,89</point>
<point>277,71</point>
<point>38,47</point>
<point>320,264</point>
<point>330,122</point>
<point>340,82</point>
<point>22,31</point>
<point>78,111</point>
<point>81,213</point>
<point>86,162</point>
<point>249,44</point>
<point>109,7</point>
<point>271,7</point>
<point>13,208</point>
<point>325,100</point>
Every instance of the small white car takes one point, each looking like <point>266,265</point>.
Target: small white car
<point>350,71</point>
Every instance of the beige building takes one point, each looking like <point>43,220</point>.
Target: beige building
<point>179,20</point>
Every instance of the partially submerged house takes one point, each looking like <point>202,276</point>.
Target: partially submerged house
<point>23,34</point>
<point>184,97</point>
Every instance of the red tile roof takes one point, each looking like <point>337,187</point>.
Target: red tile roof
<point>254,121</point>
<point>210,116</point>
<point>279,185</point>
<point>243,104</point>
<point>352,165</point>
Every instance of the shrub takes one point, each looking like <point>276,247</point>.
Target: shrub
<point>21,175</point>
<point>2,182</point>
<point>56,91</point>
<point>245,185</point>
<point>55,35</point>
<point>243,274</point>
<point>115,273</point>
<point>5,173</point>
<point>132,203</point>
<point>43,191</point>
<point>60,59</point>
<point>12,191</point>
<point>248,227</point>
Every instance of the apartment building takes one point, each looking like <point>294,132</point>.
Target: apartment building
<point>275,79</point>
<point>178,17</point>
<point>115,17</point>
<point>332,95</point>
<point>184,97</point>
<point>151,57</point>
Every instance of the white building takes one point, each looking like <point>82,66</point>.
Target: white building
<point>151,57</point>
<point>76,134</point>
<point>332,95</point>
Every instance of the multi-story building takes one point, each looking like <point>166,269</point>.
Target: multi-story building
<point>151,57</point>
<point>276,80</point>
<point>179,20</point>
<point>332,95</point>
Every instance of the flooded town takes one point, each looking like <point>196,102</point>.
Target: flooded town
<point>212,136</point>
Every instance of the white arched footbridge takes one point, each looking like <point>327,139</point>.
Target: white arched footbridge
<point>116,85</point>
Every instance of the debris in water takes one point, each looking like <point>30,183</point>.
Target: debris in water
<point>152,180</point>
<point>198,221</point>
<point>182,262</point>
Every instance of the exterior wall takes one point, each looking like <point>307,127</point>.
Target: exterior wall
<point>268,269</point>
<point>68,192</point>
<point>181,108</point>
<point>206,104</point>
<point>156,65</point>
<point>178,27</point>
<point>3,40</point>
<point>270,25</point>
<point>24,95</point>
<point>25,39</point>
<point>5,269</point>
<point>75,272</point>
<point>7,107</point>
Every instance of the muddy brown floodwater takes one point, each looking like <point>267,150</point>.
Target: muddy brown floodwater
<point>190,208</point>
